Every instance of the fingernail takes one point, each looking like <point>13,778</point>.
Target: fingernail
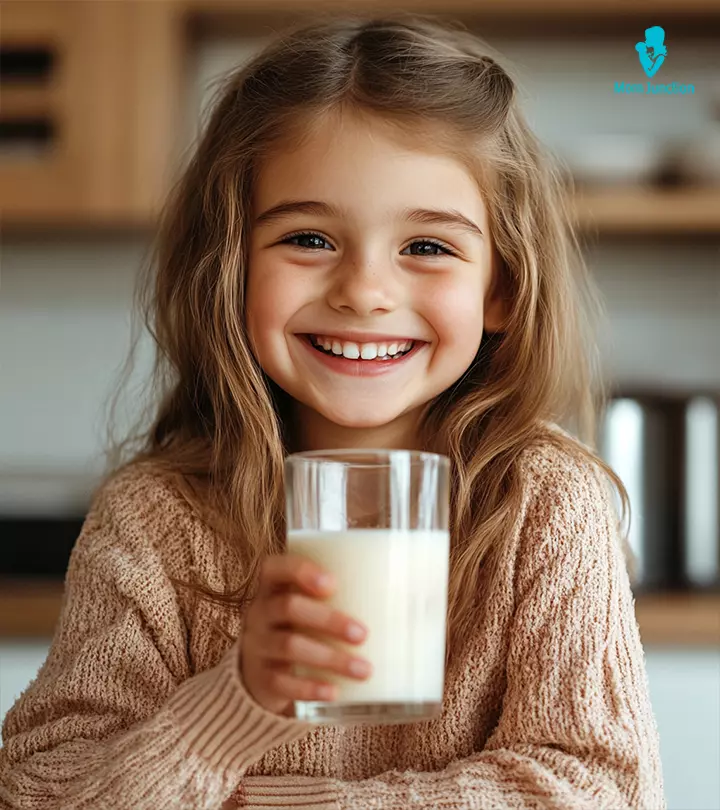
<point>354,632</point>
<point>360,668</point>
<point>324,581</point>
<point>326,692</point>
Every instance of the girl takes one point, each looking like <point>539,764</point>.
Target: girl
<point>359,182</point>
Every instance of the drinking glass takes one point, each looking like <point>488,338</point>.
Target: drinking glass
<point>378,521</point>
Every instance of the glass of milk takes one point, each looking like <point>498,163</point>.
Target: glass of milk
<point>378,521</point>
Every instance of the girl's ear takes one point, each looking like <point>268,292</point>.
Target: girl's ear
<point>496,308</point>
<point>495,315</point>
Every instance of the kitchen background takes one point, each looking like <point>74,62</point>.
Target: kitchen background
<point>91,132</point>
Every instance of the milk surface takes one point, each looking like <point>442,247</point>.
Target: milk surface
<point>395,581</point>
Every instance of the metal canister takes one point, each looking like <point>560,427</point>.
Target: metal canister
<point>701,494</point>
<point>642,439</point>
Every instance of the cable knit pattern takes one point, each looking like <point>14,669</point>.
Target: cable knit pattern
<point>140,703</point>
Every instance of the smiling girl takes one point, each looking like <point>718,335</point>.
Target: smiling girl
<point>369,248</point>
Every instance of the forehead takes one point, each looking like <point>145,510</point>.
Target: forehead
<point>364,160</point>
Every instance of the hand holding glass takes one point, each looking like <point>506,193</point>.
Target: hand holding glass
<point>377,521</point>
<point>287,611</point>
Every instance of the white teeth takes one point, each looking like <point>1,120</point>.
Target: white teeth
<point>366,351</point>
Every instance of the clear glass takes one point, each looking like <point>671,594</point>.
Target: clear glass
<point>378,521</point>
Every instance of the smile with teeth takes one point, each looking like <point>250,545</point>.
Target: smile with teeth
<point>361,351</point>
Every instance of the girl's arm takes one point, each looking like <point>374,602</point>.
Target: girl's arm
<point>115,717</point>
<point>577,730</point>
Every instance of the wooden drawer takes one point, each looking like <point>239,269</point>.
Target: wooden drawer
<point>88,130</point>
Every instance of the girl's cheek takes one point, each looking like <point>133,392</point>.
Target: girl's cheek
<point>456,314</point>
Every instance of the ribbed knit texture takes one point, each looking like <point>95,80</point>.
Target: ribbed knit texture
<point>140,703</point>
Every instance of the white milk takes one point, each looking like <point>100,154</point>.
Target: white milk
<point>395,582</point>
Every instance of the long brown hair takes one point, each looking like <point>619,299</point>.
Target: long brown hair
<point>219,424</point>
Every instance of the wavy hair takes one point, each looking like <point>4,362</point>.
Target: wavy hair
<point>220,425</point>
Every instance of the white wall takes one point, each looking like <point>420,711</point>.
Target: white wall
<point>663,302</point>
<point>64,334</point>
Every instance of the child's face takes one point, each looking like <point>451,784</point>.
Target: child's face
<point>368,274</point>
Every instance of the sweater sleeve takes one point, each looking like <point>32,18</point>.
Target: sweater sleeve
<point>576,731</point>
<point>115,717</point>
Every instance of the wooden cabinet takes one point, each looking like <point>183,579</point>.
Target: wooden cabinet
<point>94,136</point>
<point>89,102</point>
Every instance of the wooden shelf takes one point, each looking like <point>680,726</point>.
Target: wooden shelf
<point>514,19</point>
<point>637,210</point>
<point>30,610</point>
<point>627,211</point>
<point>539,8</point>
<point>679,620</point>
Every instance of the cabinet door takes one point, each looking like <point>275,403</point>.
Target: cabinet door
<point>88,110</point>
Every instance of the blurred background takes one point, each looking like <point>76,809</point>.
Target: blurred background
<point>100,103</point>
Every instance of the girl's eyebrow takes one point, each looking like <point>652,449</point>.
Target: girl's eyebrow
<point>423,216</point>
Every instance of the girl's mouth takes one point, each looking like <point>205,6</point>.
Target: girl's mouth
<point>360,367</point>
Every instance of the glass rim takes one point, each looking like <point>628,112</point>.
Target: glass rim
<point>337,455</point>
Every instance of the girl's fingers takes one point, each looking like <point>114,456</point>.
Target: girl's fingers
<point>291,687</point>
<point>281,570</point>
<point>288,647</point>
<point>303,612</point>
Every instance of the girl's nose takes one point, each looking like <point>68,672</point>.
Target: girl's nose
<point>364,288</point>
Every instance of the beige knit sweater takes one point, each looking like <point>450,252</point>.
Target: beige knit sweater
<point>141,705</point>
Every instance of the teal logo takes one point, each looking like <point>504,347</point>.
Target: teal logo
<point>653,51</point>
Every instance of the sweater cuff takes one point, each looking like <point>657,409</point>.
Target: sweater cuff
<point>222,724</point>
<point>307,792</point>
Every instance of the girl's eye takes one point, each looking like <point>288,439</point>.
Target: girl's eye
<point>432,243</point>
<point>314,241</point>
<point>308,240</point>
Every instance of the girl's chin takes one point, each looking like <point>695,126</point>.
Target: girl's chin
<point>358,421</point>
